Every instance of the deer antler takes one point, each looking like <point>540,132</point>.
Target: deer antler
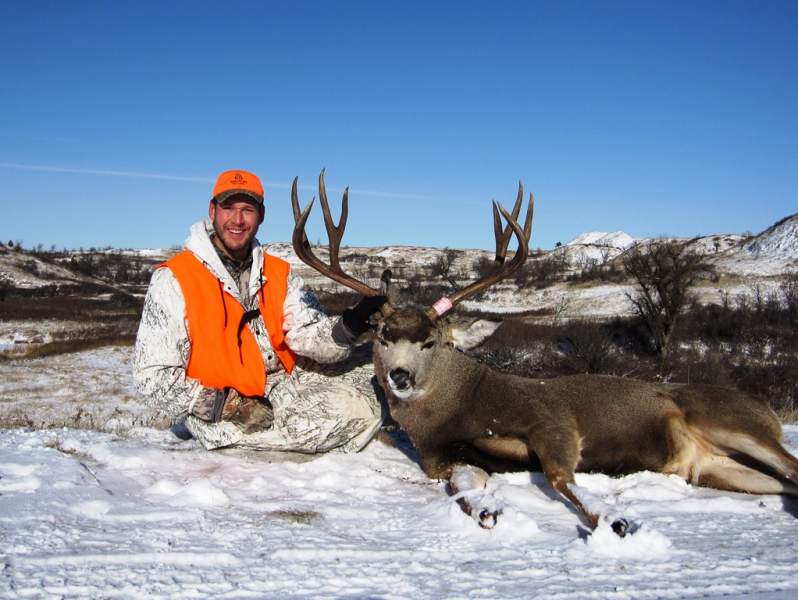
<point>334,233</point>
<point>501,270</point>
<point>503,237</point>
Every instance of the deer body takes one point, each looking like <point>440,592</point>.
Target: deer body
<point>467,420</point>
<point>621,425</point>
<point>460,414</point>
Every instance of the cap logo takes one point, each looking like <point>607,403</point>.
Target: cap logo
<point>238,179</point>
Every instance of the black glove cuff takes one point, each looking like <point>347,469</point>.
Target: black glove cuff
<point>342,335</point>
<point>354,322</point>
<point>357,318</point>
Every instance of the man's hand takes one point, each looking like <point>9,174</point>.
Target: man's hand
<point>250,414</point>
<point>357,318</point>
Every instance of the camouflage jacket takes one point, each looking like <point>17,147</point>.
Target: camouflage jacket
<point>163,346</point>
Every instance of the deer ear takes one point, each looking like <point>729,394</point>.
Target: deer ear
<point>472,333</point>
<point>386,287</point>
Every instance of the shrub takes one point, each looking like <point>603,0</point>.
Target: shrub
<point>543,272</point>
<point>588,347</point>
<point>664,272</point>
<point>442,267</point>
<point>483,266</point>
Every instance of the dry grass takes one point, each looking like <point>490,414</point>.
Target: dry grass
<point>72,345</point>
<point>301,517</point>
<point>617,347</point>
<point>89,418</point>
<point>90,323</point>
<point>71,307</point>
<point>788,414</point>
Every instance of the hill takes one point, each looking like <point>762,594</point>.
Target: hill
<point>53,296</point>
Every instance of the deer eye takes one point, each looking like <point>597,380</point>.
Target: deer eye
<point>428,345</point>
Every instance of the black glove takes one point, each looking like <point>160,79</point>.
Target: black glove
<point>357,318</point>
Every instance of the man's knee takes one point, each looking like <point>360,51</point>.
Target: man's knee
<point>352,420</point>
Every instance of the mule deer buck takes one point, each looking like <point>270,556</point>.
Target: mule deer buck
<point>467,420</point>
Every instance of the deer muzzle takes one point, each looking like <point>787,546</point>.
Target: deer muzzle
<point>401,378</point>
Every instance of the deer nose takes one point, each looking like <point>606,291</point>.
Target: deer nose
<point>401,378</point>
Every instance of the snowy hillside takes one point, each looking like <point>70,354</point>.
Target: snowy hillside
<point>741,263</point>
<point>772,252</point>
<point>24,271</point>
<point>594,247</point>
<point>712,245</point>
<point>616,239</point>
<point>780,240</point>
<point>367,263</point>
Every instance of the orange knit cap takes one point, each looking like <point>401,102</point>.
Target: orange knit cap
<point>235,182</point>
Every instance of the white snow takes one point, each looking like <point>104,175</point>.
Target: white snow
<point>131,511</point>
<point>25,271</point>
<point>616,239</point>
<point>772,252</point>
<point>143,514</point>
<point>779,240</point>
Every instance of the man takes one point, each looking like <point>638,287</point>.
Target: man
<point>229,340</point>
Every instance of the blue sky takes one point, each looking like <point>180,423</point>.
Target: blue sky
<point>648,117</point>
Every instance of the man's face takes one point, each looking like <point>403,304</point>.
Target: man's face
<point>236,222</point>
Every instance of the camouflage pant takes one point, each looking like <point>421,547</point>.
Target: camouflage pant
<point>315,410</point>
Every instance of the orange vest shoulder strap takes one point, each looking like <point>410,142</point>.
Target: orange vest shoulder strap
<point>275,290</point>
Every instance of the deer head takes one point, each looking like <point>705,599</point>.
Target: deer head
<point>411,340</point>
<point>409,345</point>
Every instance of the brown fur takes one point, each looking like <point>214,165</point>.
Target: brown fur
<point>462,412</point>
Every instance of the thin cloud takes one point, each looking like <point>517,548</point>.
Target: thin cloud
<point>168,177</point>
<point>78,171</point>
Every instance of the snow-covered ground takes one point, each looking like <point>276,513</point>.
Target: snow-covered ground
<point>143,514</point>
<point>121,508</point>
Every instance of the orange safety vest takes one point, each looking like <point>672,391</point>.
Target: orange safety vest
<point>213,316</point>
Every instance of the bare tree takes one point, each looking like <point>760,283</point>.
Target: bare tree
<point>560,309</point>
<point>442,267</point>
<point>664,272</point>
<point>5,286</point>
<point>789,289</point>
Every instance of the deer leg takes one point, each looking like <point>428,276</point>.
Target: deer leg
<point>467,484</point>
<point>563,481</point>
<point>725,473</point>
<point>559,464</point>
<point>466,481</point>
<point>769,452</point>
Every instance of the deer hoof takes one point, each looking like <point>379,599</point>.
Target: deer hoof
<point>487,518</point>
<point>620,527</point>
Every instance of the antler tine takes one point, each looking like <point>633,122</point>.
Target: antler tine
<point>502,270</point>
<point>523,244</point>
<point>503,237</point>
<point>530,213</point>
<point>335,233</point>
<point>302,246</point>
<point>297,212</point>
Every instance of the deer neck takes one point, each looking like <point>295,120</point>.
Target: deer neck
<point>444,397</point>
